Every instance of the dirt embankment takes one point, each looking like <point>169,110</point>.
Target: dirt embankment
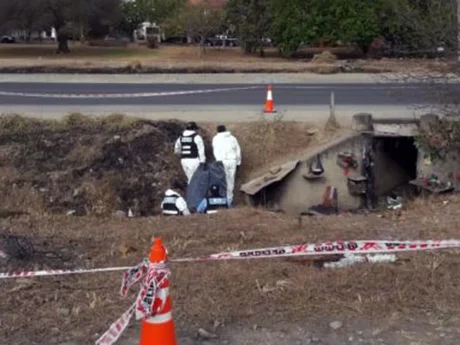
<point>263,293</point>
<point>85,165</point>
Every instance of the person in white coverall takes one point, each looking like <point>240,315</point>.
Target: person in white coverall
<point>190,147</point>
<point>227,150</point>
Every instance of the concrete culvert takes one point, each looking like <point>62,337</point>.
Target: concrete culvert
<point>361,167</point>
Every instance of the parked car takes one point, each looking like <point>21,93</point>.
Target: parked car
<point>176,40</point>
<point>219,41</point>
<point>8,39</point>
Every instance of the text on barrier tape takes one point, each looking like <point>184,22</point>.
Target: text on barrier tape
<point>320,249</point>
<point>329,248</point>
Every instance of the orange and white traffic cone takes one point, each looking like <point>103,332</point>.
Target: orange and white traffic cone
<point>159,329</point>
<point>269,104</point>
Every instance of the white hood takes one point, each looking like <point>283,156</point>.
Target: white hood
<point>188,132</point>
<point>226,147</point>
<point>170,192</point>
<point>226,134</point>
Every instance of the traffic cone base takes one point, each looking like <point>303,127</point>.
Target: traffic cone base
<point>155,332</point>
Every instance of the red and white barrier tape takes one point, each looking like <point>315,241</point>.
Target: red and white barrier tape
<point>144,306</point>
<point>45,273</point>
<point>320,249</point>
<point>329,248</point>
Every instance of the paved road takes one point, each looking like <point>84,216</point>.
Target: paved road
<point>174,94</point>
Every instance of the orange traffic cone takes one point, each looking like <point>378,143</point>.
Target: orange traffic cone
<point>159,329</point>
<point>269,104</point>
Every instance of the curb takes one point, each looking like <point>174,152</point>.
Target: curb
<point>319,70</point>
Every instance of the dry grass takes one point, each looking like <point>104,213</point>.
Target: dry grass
<point>231,292</point>
<point>17,125</point>
<point>325,57</point>
<point>264,145</point>
<point>183,59</point>
<point>74,163</point>
<point>77,307</point>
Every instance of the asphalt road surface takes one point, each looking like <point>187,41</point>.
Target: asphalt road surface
<point>90,94</point>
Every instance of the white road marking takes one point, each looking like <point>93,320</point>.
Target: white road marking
<point>348,87</point>
<point>189,92</point>
<point>122,95</point>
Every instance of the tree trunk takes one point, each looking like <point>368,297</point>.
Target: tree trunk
<point>63,44</point>
<point>262,53</point>
<point>203,46</point>
<point>365,49</point>
<point>82,35</point>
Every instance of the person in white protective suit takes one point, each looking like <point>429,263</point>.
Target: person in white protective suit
<point>190,147</point>
<point>227,150</point>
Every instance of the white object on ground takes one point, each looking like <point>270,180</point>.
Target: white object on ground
<point>352,259</point>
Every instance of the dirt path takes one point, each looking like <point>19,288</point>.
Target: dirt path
<point>422,331</point>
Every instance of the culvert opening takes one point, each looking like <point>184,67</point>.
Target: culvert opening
<point>402,151</point>
<point>396,165</point>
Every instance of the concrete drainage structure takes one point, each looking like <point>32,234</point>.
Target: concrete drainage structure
<point>376,157</point>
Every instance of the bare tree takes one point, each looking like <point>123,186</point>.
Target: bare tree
<point>200,20</point>
<point>66,16</point>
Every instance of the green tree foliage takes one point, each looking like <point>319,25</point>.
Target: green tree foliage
<point>132,16</point>
<point>292,24</point>
<point>422,24</point>
<point>419,24</point>
<point>311,21</point>
<point>353,21</point>
<point>251,20</point>
<point>157,11</point>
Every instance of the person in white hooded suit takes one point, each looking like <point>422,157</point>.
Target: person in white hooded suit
<point>227,150</point>
<point>190,147</point>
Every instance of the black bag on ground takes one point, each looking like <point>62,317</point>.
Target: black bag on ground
<point>207,175</point>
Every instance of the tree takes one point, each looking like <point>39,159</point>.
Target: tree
<point>352,21</point>
<point>135,12</point>
<point>200,20</point>
<point>66,16</point>
<point>157,11</point>
<point>423,24</point>
<point>30,19</point>
<point>327,21</point>
<point>251,20</point>
<point>293,23</point>
<point>132,16</point>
